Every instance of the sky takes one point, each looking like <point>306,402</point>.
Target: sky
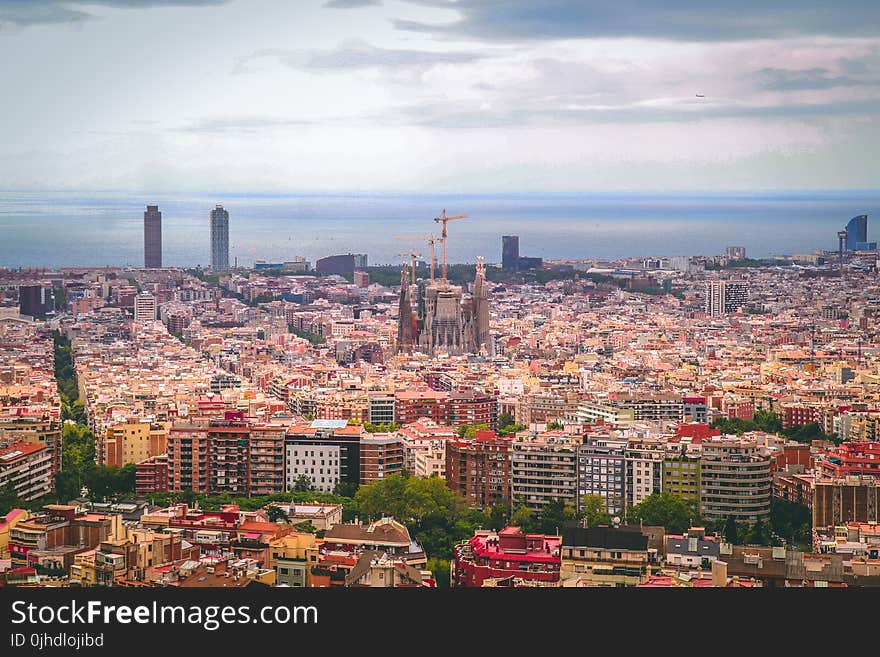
<point>439,95</point>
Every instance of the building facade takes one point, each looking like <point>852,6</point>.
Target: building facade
<point>735,481</point>
<point>543,469</point>
<point>602,471</point>
<point>152,238</point>
<point>725,297</point>
<point>479,469</point>
<point>144,308</point>
<point>219,239</point>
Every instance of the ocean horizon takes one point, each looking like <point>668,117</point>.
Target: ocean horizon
<point>82,229</point>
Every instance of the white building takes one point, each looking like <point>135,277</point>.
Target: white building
<point>144,308</point>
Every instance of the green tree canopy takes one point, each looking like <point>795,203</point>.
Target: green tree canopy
<point>665,509</point>
<point>595,511</point>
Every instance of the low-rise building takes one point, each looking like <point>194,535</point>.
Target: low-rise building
<point>606,556</point>
<point>509,552</point>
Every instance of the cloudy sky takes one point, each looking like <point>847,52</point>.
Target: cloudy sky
<point>439,95</point>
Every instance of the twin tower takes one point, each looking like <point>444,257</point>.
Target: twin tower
<point>219,238</point>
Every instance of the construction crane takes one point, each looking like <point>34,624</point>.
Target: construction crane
<point>412,266</point>
<point>431,240</point>
<point>443,219</point>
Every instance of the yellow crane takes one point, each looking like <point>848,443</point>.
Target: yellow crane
<point>443,219</point>
<point>431,240</point>
<point>412,266</point>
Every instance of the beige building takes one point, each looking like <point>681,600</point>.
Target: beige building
<point>543,468</point>
<point>132,442</point>
<point>291,557</point>
<point>735,480</point>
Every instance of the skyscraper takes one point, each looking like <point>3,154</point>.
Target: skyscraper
<point>723,297</point>
<point>144,308</point>
<point>36,300</point>
<point>856,232</point>
<point>219,239</point>
<point>736,252</point>
<point>153,237</point>
<point>510,252</point>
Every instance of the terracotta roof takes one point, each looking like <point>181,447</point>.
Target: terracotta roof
<point>383,532</point>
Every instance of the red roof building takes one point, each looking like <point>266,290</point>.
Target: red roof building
<point>510,552</point>
<point>850,459</point>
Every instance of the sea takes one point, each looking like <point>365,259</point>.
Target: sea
<point>67,229</point>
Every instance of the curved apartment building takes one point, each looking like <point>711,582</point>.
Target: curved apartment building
<point>735,480</point>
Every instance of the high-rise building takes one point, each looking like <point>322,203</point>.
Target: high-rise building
<point>144,308</point>
<point>735,480</point>
<point>602,471</point>
<point>36,300</point>
<point>153,237</point>
<point>736,252</point>
<point>724,297</point>
<point>510,252</point>
<point>326,452</point>
<point>361,279</point>
<point>219,239</point>
<point>543,469</point>
<point>479,469</point>
<point>644,469</point>
<point>381,455</point>
<point>856,232</point>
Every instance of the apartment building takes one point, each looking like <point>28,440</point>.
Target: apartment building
<point>266,448</point>
<point>543,468</point>
<point>479,469</point>
<point>837,501</point>
<point>735,480</point>
<point>510,552</point>
<point>601,463</point>
<point>644,469</point>
<point>28,467</point>
<point>131,442</point>
<point>324,451</point>
<point>381,455</point>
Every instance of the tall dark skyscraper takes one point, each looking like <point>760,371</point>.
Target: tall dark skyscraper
<point>219,239</point>
<point>36,300</point>
<point>856,232</point>
<point>153,237</point>
<point>510,252</point>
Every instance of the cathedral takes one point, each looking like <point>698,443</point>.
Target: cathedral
<point>444,318</point>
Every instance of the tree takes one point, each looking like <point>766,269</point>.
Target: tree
<point>758,534</point>
<point>302,484</point>
<point>306,526</point>
<point>594,510</point>
<point>382,427</point>
<point>553,426</point>
<point>276,513</point>
<point>498,517</point>
<point>730,531</point>
<point>553,516</point>
<point>505,419</point>
<point>510,429</point>
<point>9,499</point>
<point>440,569</point>
<point>345,488</point>
<point>665,509</point>
<point>469,431</point>
<point>523,517</point>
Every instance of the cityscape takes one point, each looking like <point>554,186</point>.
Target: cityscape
<point>440,295</point>
<point>684,421</point>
